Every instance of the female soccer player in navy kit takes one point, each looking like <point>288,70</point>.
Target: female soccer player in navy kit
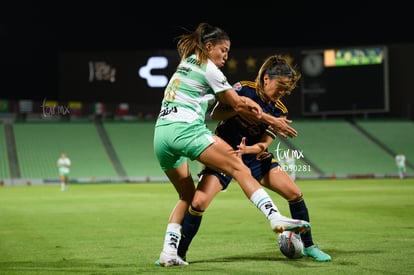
<point>275,79</point>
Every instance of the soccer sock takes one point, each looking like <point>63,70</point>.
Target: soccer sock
<point>62,186</point>
<point>172,238</point>
<point>191,224</point>
<point>261,199</point>
<point>299,211</point>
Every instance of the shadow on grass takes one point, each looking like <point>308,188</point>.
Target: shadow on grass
<point>304,261</point>
<point>259,257</point>
<point>64,265</point>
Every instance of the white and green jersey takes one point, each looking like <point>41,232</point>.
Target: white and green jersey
<point>190,91</point>
<point>400,160</point>
<point>63,164</point>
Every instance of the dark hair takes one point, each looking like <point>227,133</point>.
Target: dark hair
<point>194,42</point>
<point>212,34</point>
<point>278,66</point>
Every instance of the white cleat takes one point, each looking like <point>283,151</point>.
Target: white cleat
<point>286,224</point>
<point>167,260</point>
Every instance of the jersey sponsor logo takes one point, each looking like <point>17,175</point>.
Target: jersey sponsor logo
<point>167,110</point>
<point>237,86</point>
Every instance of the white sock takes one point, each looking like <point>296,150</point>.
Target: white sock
<point>62,186</point>
<point>262,200</point>
<point>172,238</point>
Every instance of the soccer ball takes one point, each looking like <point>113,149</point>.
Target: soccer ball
<point>290,244</point>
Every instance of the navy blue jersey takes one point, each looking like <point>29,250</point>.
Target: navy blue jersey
<point>232,130</point>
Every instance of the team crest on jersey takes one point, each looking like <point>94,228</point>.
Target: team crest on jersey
<point>237,86</point>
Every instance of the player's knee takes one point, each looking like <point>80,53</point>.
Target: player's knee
<point>200,202</point>
<point>240,171</point>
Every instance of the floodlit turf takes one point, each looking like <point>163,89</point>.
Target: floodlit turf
<point>366,225</point>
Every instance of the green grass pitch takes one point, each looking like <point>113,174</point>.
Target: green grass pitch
<point>366,225</point>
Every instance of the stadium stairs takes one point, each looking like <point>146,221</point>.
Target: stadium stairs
<point>338,148</point>
<point>122,151</point>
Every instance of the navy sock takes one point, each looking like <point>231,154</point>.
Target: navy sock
<point>299,211</point>
<point>190,226</point>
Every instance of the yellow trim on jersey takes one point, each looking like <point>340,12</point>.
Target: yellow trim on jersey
<point>247,83</point>
<point>281,107</point>
<point>270,133</point>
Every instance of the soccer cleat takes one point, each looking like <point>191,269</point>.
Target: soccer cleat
<point>170,260</point>
<point>285,224</point>
<point>314,252</point>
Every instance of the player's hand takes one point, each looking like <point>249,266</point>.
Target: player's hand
<point>241,148</point>
<point>281,125</point>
